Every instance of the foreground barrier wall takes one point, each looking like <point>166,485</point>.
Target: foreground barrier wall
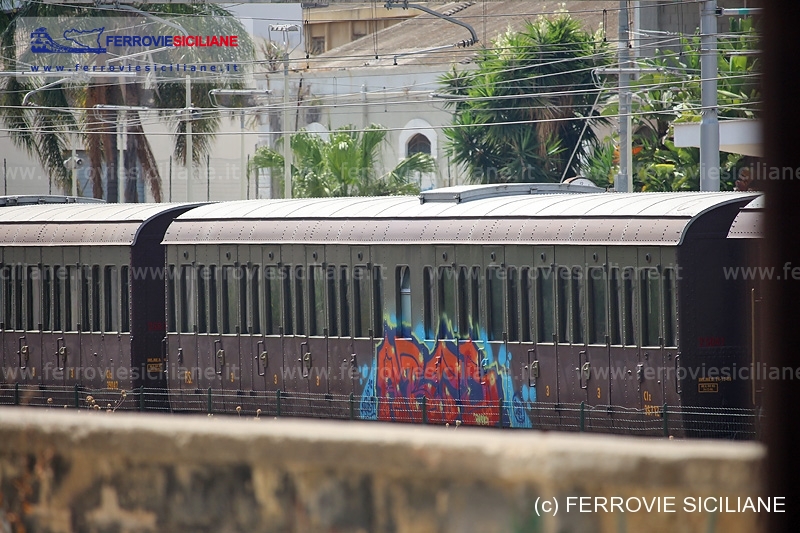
<point>117,472</point>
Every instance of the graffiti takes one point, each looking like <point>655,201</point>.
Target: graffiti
<point>451,379</point>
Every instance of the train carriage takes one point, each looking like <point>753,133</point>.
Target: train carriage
<point>476,305</point>
<point>81,293</point>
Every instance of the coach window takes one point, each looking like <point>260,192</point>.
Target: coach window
<point>5,296</point>
<point>58,299</point>
<point>629,304</point>
<point>475,299</point>
<point>110,298</point>
<point>377,300</point>
<point>546,308</point>
<point>124,292</point>
<point>47,298</point>
<point>564,303</point>
<point>299,301</point>
<point>447,295</point>
<point>462,284</point>
<point>213,282</point>
<point>202,299</point>
<point>227,299</point>
<point>333,309</point>
<point>615,318</point>
<point>272,299</point>
<point>244,296</point>
<point>651,307</point>
<point>344,299</point>
<point>597,306</point>
<point>513,304</point>
<point>96,307</point>
<point>71,298</point>
<point>670,313</point>
<point>255,300</point>
<point>403,299</point>
<point>186,299</point>
<point>526,295</point>
<point>427,294</point>
<point>361,301</point>
<point>86,277</point>
<point>172,323</point>
<point>577,289</point>
<point>494,299</point>
<point>288,316</point>
<point>33,304</point>
<point>316,300</point>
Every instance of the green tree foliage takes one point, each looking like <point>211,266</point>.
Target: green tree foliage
<point>520,113</point>
<point>674,95</point>
<point>346,164</point>
<point>46,129</point>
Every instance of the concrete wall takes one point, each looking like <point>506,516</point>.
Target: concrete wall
<point>67,471</point>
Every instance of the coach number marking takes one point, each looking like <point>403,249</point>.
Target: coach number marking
<point>547,390</point>
<point>598,393</point>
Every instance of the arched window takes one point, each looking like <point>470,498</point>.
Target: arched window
<point>418,144</point>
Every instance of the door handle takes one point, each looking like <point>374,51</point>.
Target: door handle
<point>533,368</point>
<point>305,362</point>
<point>61,353</point>
<point>24,352</point>
<point>219,357</point>
<point>262,358</point>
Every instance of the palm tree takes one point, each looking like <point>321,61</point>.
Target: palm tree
<point>346,164</point>
<point>520,114</point>
<point>44,130</point>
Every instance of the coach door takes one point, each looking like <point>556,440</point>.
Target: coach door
<point>111,356</point>
<point>24,343</point>
<point>594,365</point>
<point>180,360</point>
<point>570,314</point>
<point>518,320</point>
<point>249,316</point>
<point>268,364</point>
<point>67,298</point>
<point>669,301</point>
<point>446,351</point>
<point>650,372</point>
<point>297,357</point>
<point>52,338</point>
<point>91,280</point>
<point>341,359</point>
<point>200,292</point>
<point>542,371</point>
<point>479,385</point>
<point>495,310</point>
<point>623,332</point>
<point>317,365</point>
<point>226,351</point>
<point>32,310</point>
<point>362,332</point>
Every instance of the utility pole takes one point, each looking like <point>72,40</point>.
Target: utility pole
<point>709,125</point>
<point>244,183</point>
<point>189,153</point>
<point>122,139</point>
<point>624,181</point>
<point>287,149</point>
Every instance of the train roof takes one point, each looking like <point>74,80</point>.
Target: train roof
<point>749,223</point>
<point>78,224</point>
<point>633,218</point>
<point>33,199</point>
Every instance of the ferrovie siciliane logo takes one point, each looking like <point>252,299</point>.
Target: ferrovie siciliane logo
<point>81,42</point>
<point>89,41</point>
